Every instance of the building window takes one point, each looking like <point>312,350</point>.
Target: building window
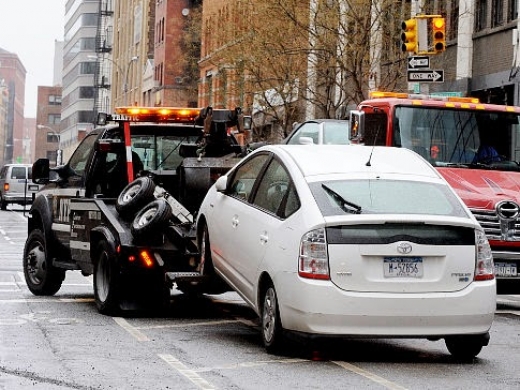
<point>52,137</point>
<point>54,100</point>
<point>512,13</point>
<point>481,15</point>
<point>497,13</point>
<point>54,119</point>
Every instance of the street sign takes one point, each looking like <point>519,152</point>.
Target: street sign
<point>417,62</point>
<point>426,76</point>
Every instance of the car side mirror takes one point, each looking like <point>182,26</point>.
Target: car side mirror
<point>221,184</point>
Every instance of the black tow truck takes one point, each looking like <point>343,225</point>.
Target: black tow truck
<point>122,208</point>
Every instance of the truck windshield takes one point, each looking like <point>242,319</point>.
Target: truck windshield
<point>161,151</point>
<point>456,136</point>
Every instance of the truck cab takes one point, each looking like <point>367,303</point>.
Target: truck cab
<point>475,146</point>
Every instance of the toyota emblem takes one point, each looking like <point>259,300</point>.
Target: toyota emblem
<point>507,210</point>
<point>404,248</point>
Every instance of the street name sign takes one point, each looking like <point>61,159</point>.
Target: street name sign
<point>418,62</point>
<point>426,76</point>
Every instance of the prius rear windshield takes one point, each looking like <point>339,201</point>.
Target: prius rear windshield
<point>379,196</point>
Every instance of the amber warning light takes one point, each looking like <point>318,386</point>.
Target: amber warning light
<point>159,114</point>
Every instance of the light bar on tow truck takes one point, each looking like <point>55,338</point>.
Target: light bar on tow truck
<point>404,95</point>
<point>158,114</point>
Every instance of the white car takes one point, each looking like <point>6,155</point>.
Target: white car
<point>328,240</point>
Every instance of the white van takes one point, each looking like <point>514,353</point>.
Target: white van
<point>16,185</point>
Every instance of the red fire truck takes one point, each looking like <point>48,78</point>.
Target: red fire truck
<point>475,146</point>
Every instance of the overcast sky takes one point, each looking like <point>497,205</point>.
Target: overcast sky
<point>29,28</point>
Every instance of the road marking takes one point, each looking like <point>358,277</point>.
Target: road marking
<point>196,379</point>
<point>188,324</point>
<point>47,300</point>
<point>251,364</point>
<point>373,377</point>
<point>513,312</point>
<point>139,336</point>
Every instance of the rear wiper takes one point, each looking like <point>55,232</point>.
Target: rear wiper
<point>345,205</point>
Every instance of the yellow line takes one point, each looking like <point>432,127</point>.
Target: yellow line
<point>139,336</point>
<point>369,375</point>
<point>196,379</point>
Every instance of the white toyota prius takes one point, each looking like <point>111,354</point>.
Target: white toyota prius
<point>349,240</point>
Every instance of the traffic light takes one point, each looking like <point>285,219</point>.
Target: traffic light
<point>409,36</point>
<point>438,34</point>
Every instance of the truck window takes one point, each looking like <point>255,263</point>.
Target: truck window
<point>79,159</point>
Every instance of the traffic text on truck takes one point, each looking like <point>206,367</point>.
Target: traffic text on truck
<point>121,209</point>
<point>475,146</point>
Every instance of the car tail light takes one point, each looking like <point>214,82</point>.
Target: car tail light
<point>484,269</point>
<point>6,186</point>
<point>314,260</point>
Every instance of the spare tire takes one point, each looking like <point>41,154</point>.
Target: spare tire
<point>150,218</point>
<point>134,196</point>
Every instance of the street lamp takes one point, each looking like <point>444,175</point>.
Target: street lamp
<point>125,73</point>
<point>58,137</point>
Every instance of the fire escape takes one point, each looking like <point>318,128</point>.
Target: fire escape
<point>104,41</point>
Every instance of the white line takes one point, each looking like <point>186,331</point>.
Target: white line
<point>186,325</point>
<point>190,374</point>
<point>139,336</point>
<point>514,312</point>
<point>47,300</point>
<point>373,377</point>
<point>251,364</point>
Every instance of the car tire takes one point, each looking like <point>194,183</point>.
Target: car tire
<point>134,196</point>
<point>3,203</point>
<point>107,283</point>
<point>212,284</point>
<point>151,218</point>
<point>41,276</point>
<point>464,348</point>
<point>272,331</point>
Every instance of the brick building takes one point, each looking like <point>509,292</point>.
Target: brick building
<point>48,118</point>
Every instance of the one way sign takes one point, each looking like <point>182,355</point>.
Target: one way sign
<point>426,76</point>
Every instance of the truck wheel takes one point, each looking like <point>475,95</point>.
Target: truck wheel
<point>134,196</point>
<point>272,332</point>
<point>41,276</point>
<point>107,287</point>
<point>464,348</point>
<point>150,218</point>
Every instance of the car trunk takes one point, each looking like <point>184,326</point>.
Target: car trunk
<point>411,258</point>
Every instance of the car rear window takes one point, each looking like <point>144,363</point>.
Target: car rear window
<point>19,173</point>
<point>386,197</point>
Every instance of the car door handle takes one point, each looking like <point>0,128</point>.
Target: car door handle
<point>264,237</point>
<point>234,221</point>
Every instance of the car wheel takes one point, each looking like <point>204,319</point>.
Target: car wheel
<point>134,196</point>
<point>3,203</point>
<point>41,276</point>
<point>272,332</point>
<point>107,286</point>
<point>464,348</point>
<point>152,217</point>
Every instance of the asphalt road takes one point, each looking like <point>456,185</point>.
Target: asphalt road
<point>61,342</point>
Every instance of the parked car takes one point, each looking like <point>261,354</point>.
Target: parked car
<point>330,240</point>
<point>320,131</point>
<point>16,185</point>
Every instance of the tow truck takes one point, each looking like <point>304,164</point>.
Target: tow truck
<point>455,135</point>
<point>121,209</point>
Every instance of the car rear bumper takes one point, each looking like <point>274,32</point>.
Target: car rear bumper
<point>18,198</point>
<point>323,309</point>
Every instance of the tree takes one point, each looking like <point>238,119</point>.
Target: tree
<point>291,60</point>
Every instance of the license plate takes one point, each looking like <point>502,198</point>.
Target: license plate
<point>33,187</point>
<point>403,267</point>
<point>505,269</point>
